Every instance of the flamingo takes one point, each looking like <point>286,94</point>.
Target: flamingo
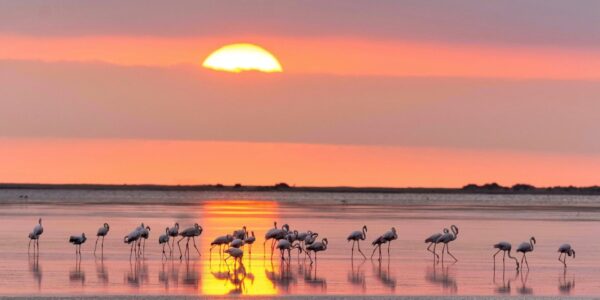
<point>144,235</point>
<point>505,247</point>
<point>276,234</point>
<point>35,234</point>
<point>236,243</point>
<point>526,247</point>
<point>432,240</point>
<point>446,238</point>
<point>249,241</point>
<point>240,233</point>
<point>173,232</point>
<point>316,247</point>
<point>164,240</point>
<point>377,243</point>
<point>102,232</point>
<point>220,241</point>
<point>236,253</point>
<point>287,244</point>
<point>356,237</point>
<point>191,232</point>
<point>132,239</point>
<point>565,249</point>
<point>389,236</point>
<point>77,241</point>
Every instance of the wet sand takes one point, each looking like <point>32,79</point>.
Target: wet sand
<point>409,271</point>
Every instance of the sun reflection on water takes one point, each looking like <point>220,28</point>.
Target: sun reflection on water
<point>251,277</point>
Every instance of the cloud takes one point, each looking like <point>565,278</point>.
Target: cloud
<point>76,100</point>
<point>526,22</point>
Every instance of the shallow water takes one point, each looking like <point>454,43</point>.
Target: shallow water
<point>409,270</point>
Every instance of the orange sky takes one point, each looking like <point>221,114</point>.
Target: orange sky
<point>391,93</point>
<point>342,56</point>
<point>204,162</point>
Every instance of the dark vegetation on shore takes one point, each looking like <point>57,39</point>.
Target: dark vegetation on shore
<point>489,188</point>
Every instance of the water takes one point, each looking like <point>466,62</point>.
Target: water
<point>482,219</point>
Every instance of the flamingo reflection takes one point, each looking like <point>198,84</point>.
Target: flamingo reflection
<point>445,279</point>
<point>356,276</point>
<point>192,274</point>
<point>101,271</point>
<point>36,270</point>
<point>137,274</point>
<point>505,287</point>
<point>565,286</point>
<point>76,274</point>
<point>281,279</point>
<point>311,279</point>
<point>524,290</point>
<point>384,275</point>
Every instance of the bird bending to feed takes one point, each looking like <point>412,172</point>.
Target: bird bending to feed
<point>236,253</point>
<point>433,241</point>
<point>133,238</point>
<point>377,245</point>
<point>249,241</point>
<point>102,232</point>
<point>173,232</point>
<point>524,248</point>
<point>34,236</point>
<point>189,233</point>
<point>505,247</point>
<point>164,239</point>
<point>356,237</point>
<point>446,238</point>
<point>316,247</point>
<point>220,241</point>
<point>77,241</point>
<point>565,249</point>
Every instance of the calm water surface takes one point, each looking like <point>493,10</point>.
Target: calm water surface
<point>482,219</point>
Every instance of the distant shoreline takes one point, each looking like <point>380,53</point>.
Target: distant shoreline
<point>492,188</point>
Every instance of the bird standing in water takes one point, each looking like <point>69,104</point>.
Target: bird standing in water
<point>77,241</point>
<point>446,238</point>
<point>34,236</point>
<point>433,241</point>
<point>524,248</point>
<point>356,237</point>
<point>102,232</point>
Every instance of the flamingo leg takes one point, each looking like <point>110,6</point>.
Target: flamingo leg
<point>102,247</point>
<point>436,255</point>
<point>516,261</point>
<point>29,246</point>
<point>389,245</point>
<point>432,251</point>
<point>194,240</point>
<point>179,246</point>
<point>358,244</point>
<point>372,253</point>
<point>494,256</point>
<point>455,260</point>
<point>96,246</point>
<point>379,252</point>
<point>443,248</point>
<point>352,253</point>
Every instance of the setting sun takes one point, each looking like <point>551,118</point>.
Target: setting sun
<point>242,57</point>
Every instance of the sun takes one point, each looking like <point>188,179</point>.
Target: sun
<point>242,57</point>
